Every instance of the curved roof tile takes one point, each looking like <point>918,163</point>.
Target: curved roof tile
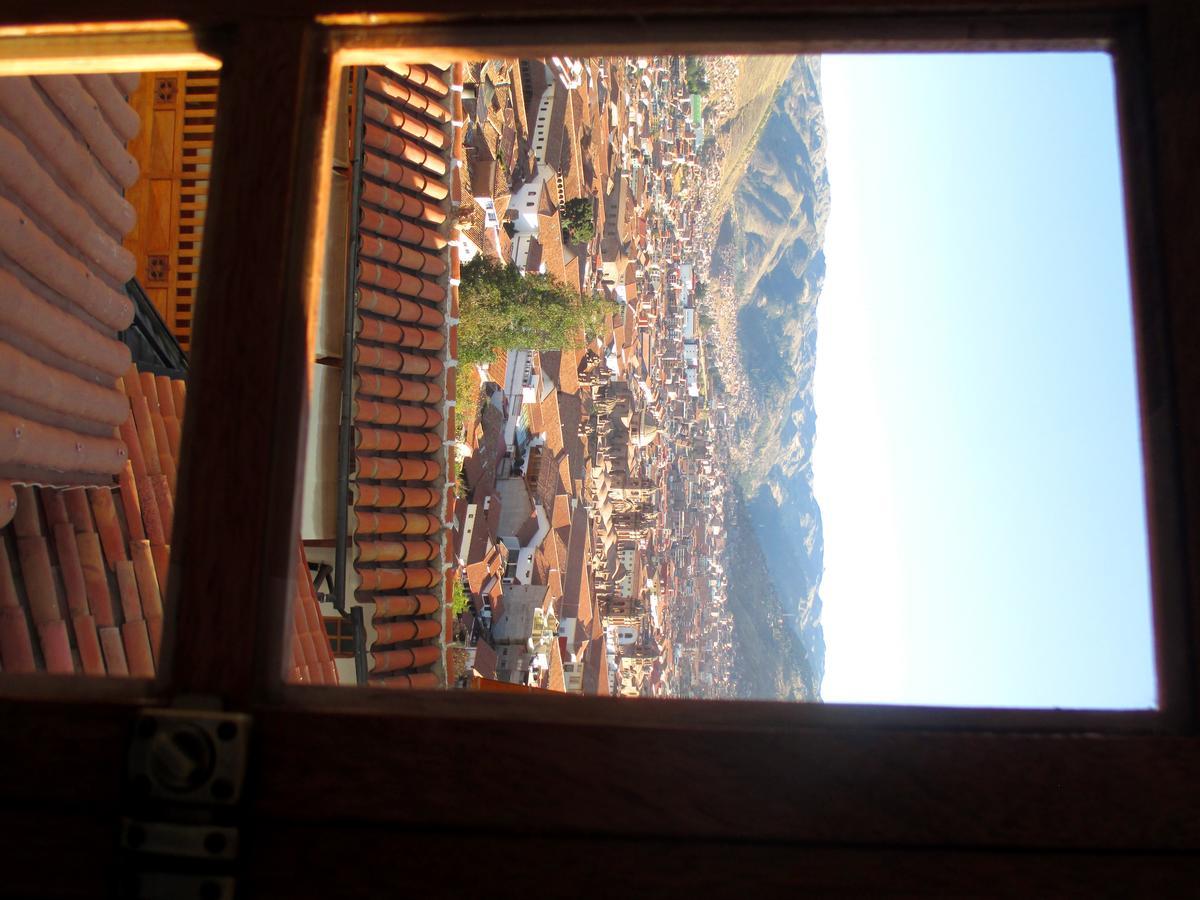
<point>407,271</point>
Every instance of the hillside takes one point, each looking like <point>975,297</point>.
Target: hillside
<point>773,662</point>
<point>770,249</point>
<point>753,99</point>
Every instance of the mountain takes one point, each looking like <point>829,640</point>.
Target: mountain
<point>770,245</point>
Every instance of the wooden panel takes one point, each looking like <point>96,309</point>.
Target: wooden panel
<point>57,50</point>
<point>197,127</point>
<point>292,861</point>
<point>162,143</point>
<point>65,754</point>
<point>33,840</point>
<point>1166,216</point>
<point>546,14</point>
<point>156,224</point>
<point>766,783</point>
<point>871,790</point>
<point>237,513</point>
<point>152,196</point>
<point>401,790</point>
<point>158,296</point>
<point>174,150</point>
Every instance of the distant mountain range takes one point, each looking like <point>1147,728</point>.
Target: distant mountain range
<point>772,237</point>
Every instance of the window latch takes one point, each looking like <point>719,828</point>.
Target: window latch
<point>184,783</point>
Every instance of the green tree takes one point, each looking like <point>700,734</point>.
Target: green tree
<point>579,220</point>
<point>461,600</point>
<point>697,83</point>
<point>501,309</point>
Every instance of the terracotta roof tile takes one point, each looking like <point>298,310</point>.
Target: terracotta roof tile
<point>48,153</point>
<point>16,647</point>
<point>405,264</point>
<point>102,546</point>
<point>87,641</point>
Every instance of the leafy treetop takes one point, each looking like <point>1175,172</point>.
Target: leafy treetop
<point>697,83</point>
<point>579,220</point>
<point>501,309</point>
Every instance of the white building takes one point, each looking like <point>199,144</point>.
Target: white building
<point>520,387</point>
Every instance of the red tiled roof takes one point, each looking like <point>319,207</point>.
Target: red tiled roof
<point>577,596</point>
<point>407,286</point>
<point>570,413</point>
<point>86,421</point>
<point>550,240</point>
<point>547,479</point>
<point>561,516</point>
<point>485,661</point>
<point>550,360</point>
<point>111,548</point>
<point>595,668</point>
<point>312,658</point>
<point>498,367</point>
<point>555,680</point>
<point>568,371</point>
<point>63,160</point>
<point>550,424</point>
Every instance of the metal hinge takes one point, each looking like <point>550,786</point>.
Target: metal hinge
<point>184,781</point>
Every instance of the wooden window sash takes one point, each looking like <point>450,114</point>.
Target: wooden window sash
<point>860,786</point>
<point>243,599</point>
<point>241,472</point>
<point>152,46</point>
<point>1121,33</point>
<point>937,791</point>
<point>244,429</point>
<point>248,298</point>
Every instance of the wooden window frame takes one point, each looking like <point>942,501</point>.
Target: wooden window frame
<point>850,797</point>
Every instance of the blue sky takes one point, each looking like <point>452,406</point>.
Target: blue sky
<point>978,458</point>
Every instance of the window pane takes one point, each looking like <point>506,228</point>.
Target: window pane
<point>574,446</point>
<point>978,456</point>
<point>103,192</point>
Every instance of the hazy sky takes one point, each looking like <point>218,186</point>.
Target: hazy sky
<point>977,457</point>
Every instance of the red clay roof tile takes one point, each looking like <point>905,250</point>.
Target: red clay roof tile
<point>87,640</point>
<point>407,131</point>
<point>136,641</point>
<point>16,647</point>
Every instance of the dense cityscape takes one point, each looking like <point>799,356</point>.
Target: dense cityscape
<point>591,540</point>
